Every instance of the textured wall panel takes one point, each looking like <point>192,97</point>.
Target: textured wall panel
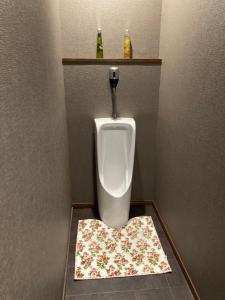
<point>88,96</point>
<point>191,138</point>
<point>81,18</point>
<point>34,185</point>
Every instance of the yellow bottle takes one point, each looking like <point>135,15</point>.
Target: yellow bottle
<point>127,45</point>
<point>99,50</point>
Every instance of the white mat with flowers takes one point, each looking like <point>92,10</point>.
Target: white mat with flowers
<point>104,252</point>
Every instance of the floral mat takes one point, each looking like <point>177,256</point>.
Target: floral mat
<point>104,252</point>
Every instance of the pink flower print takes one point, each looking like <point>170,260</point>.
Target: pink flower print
<point>94,273</point>
<point>137,257</point>
<point>153,257</point>
<point>156,244</point>
<point>110,245</point>
<point>149,222</point>
<point>137,222</point>
<point>147,232</point>
<point>80,247</point>
<point>142,245</point>
<point>86,260</point>
<point>102,260</point>
<point>112,271</point>
<point>130,270</point>
<point>95,224</point>
<point>120,260</point>
<point>164,266</point>
<point>78,272</point>
<point>94,248</point>
<point>87,234</point>
<point>101,235</point>
<point>126,245</point>
<point>82,224</point>
<point>148,269</point>
<point>132,232</point>
<point>117,234</point>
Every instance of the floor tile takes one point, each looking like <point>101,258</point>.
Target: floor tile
<point>75,287</point>
<point>137,210</point>
<point>176,277</point>
<point>181,293</point>
<point>105,296</point>
<point>166,247</point>
<point>140,282</point>
<point>71,256</point>
<point>154,294</point>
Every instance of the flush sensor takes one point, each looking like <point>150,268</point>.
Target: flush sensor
<point>113,76</point>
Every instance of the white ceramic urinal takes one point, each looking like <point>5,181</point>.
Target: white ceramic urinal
<point>115,145</point>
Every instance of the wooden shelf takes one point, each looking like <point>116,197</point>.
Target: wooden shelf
<point>110,61</point>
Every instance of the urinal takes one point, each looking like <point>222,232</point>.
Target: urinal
<point>115,146</point>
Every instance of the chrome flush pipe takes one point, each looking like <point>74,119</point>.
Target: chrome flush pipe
<point>114,79</point>
<point>114,108</point>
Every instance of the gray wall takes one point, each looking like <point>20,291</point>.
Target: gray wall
<point>81,18</point>
<point>87,91</point>
<point>191,143</point>
<point>87,97</point>
<point>34,186</point>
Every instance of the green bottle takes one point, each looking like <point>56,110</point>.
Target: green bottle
<point>99,51</point>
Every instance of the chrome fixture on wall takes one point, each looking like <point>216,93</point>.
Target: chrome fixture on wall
<point>114,79</point>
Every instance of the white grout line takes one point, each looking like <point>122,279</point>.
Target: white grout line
<point>119,292</point>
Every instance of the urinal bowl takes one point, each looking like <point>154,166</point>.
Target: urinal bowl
<point>115,144</point>
<point>113,211</point>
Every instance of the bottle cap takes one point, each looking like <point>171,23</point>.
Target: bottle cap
<point>99,30</point>
<point>126,32</point>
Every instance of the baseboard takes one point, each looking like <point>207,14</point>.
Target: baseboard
<point>176,253</point>
<point>83,205</point>
<point>92,205</point>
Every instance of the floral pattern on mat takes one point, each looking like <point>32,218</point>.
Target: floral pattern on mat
<point>104,252</point>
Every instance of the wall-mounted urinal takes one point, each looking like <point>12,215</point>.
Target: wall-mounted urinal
<point>115,146</point>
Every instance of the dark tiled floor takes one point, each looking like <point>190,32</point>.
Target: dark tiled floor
<point>170,286</point>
